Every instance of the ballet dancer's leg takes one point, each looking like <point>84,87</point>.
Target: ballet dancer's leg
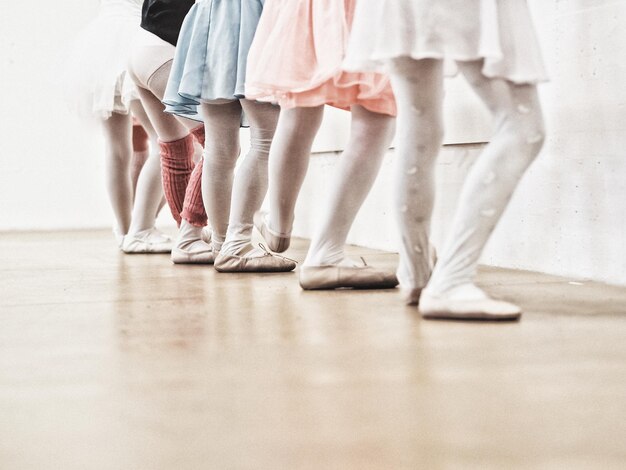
<point>370,136</point>
<point>418,87</point>
<point>221,126</point>
<point>248,193</point>
<point>288,164</point>
<point>250,184</point>
<point>149,193</point>
<point>518,138</point>
<point>118,153</point>
<point>177,153</point>
<point>325,266</point>
<point>141,150</point>
<point>182,189</point>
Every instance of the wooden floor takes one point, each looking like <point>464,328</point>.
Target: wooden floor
<point>110,361</point>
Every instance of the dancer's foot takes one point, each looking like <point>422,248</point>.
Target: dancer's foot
<point>275,241</point>
<point>466,302</point>
<point>253,260</point>
<point>195,252</point>
<point>147,241</point>
<point>346,275</point>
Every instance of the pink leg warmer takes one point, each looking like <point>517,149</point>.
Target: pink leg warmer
<point>176,167</point>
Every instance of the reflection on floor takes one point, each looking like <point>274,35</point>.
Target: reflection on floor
<point>110,361</point>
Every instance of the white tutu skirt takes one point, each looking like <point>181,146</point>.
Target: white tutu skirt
<point>500,32</point>
<point>96,81</point>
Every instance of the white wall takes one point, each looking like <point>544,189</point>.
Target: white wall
<point>52,175</point>
<point>568,217</point>
<point>52,162</point>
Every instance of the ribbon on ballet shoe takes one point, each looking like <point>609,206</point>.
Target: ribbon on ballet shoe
<point>269,253</point>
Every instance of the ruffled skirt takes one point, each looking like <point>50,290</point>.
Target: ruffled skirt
<point>96,82</point>
<point>297,54</point>
<point>500,32</point>
<point>211,55</point>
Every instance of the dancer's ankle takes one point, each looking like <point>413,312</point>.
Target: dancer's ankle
<point>321,258</point>
<point>464,291</point>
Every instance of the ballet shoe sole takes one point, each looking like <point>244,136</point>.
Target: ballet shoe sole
<point>187,259</point>
<point>471,316</point>
<point>333,277</point>
<point>162,251</point>
<point>236,264</point>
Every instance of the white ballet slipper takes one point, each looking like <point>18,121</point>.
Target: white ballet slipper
<point>197,252</point>
<point>252,260</point>
<point>276,242</point>
<point>466,302</point>
<point>147,241</point>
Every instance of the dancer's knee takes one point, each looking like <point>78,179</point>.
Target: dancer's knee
<point>221,154</point>
<point>260,145</point>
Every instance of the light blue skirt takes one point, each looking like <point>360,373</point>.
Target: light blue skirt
<point>211,55</point>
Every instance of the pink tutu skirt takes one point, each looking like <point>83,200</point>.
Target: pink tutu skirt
<point>297,54</point>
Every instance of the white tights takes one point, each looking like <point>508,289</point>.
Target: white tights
<point>518,137</point>
<point>359,164</point>
<point>249,186</point>
<point>370,136</point>
<point>135,209</point>
<point>149,67</point>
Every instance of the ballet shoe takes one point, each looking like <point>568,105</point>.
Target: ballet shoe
<point>275,242</point>
<point>353,277</point>
<point>197,252</point>
<point>263,262</point>
<point>147,241</point>
<point>457,305</point>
